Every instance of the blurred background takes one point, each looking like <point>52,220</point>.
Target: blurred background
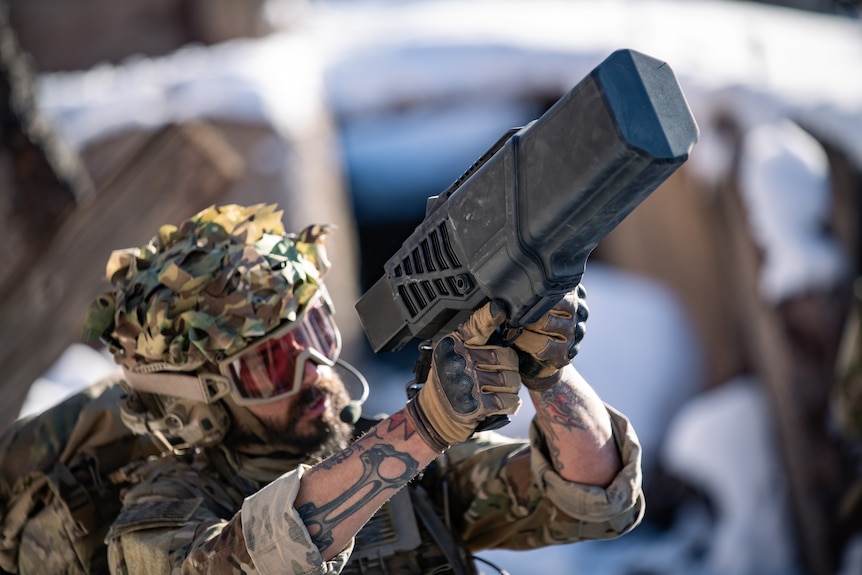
<point>724,320</point>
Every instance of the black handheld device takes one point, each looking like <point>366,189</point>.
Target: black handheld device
<point>519,225</point>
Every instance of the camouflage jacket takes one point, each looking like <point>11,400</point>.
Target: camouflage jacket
<point>188,517</point>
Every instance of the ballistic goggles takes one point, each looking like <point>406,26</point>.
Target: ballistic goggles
<point>273,366</point>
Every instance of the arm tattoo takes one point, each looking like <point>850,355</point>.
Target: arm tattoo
<point>333,460</point>
<point>321,521</point>
<point>562,406</point>
<point>397,420</point>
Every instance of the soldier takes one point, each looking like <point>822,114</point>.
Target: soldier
<point>230,357</point>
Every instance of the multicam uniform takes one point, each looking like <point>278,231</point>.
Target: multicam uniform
<point>200,297</point>
<point>205,515</point>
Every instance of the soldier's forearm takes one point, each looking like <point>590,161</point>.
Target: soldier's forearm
<point>338,495</point>
<point>578,430</point>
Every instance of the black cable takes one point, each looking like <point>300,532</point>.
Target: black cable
<point>499,569</point>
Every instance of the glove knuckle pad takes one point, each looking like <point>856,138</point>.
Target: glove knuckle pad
<point>583,312</point>
<point>456,381</point>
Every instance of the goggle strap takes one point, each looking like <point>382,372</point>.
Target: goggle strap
<point>205,387</point>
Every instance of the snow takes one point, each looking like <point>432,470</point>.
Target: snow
<point>274,80</point>
<point>750,493</point>
<point>784,182</point>
<point>421,88</point>
<point>77,367</point>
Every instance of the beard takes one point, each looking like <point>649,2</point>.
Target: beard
<point>326,434</point>
<point>314,439</point>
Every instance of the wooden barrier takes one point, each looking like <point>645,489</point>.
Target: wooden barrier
<point>177,171</point>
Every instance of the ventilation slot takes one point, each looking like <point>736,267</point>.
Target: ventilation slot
<point>408,301</point>
<point>429,290</point>
<point>437,250</point>
<point>419,298</point>
<point>426,256</point>
<point>448,251</point>
<point>417,261</point>
<point>408,266</point>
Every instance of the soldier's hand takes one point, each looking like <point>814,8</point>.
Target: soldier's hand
<point>550,343</point>
<point>468,382</point>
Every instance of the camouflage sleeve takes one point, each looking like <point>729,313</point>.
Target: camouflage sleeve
<point>176,526</point>
<point>276,536</point>
<point>186,538</point>
<point>509,496</point>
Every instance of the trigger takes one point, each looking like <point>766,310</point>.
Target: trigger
<point>507,334</point>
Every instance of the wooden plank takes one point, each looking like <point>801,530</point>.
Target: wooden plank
<point>41,180</point>
<point>67,35</point>
<point>675,238</point>
<point>797,382</point>
<point>108,155</point>
<point>180,170</point>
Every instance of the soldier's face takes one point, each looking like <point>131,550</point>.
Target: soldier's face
<point>311,417</point>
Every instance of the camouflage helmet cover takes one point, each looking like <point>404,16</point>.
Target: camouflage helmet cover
<point>205,289</point>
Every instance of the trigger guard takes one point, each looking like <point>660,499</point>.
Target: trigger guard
<point>506,334</point>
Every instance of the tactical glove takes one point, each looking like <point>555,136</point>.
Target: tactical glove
<point>550,343</point>
<point>468,382</point>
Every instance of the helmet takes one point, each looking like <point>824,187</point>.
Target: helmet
<point>199,303</point>
<point>205,289</point>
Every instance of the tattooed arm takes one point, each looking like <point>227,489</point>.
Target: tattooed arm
<point>337,496</point>
<point>468,382</point>
<point>569,412</point>
<point>577,428</point>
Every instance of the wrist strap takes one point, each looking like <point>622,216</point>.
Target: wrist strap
<point>423,427</point>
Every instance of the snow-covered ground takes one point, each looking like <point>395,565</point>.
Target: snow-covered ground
<point>411,85</point>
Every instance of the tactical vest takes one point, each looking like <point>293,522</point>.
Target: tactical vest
<point>61,473</point>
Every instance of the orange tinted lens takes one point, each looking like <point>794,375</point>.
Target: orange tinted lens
<point>268,369</point>
<point>323,331</point>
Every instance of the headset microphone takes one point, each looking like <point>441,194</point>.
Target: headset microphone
<point>353,410</point>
